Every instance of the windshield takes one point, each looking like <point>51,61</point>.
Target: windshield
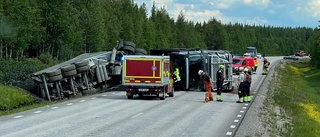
<point>235,61</point>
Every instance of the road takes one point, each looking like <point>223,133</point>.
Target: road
<point>111,114</point>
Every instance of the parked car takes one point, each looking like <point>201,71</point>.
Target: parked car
<point>245,62</point>
<point>291,57</point>
<point>259,55</point>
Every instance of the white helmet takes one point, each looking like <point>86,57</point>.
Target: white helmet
<point>241,68</point>
<point>200,72</point>
<point>245,70</point>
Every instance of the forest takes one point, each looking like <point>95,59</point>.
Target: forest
<point>64,29</point>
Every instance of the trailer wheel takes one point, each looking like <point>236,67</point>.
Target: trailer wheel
<point>69,73</point>
<point>142,51</point>
<point>127,48</point>
<point>68,68</point>
<point>81,63</point>
<point>83,68</point>
<point>129,43</point>
<point>55,78</point>
<point>54,73</point>
<point>137,53</point>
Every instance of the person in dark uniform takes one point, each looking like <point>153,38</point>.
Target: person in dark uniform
<point>219,82</point>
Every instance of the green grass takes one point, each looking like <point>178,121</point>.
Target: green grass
<point>298,93</point>
<point>13,100</point>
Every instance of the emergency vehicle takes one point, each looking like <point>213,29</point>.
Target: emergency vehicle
<point>147,75</point>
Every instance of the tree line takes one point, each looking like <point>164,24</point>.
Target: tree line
<point>67,28</point>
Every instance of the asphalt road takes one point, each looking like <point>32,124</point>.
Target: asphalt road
<point>111,114</point>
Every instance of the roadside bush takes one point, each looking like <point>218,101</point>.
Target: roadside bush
<point>18,72</point>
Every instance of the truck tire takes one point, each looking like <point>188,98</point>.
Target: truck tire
<point>68,68</point>
<point>83,68</point>
<point>129,43</point>
<point>172,92</point>
<point>54,73</point>
<point>163,97</point>
<point>142,51</point>
<point>130,96</point>
<point>127,48</point>
<point>55,78</point>
<point>81,63</point>
<point>69,73</point>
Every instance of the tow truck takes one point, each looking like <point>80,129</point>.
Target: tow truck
<point>147,75</point>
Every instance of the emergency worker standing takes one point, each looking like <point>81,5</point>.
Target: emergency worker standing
<point>219,82</point>
<point>266,64</point>
<point>207,81</point>
<point>247,85</point>
<point>241,85</point>
<point>255,64</point>
<point>176,72</point>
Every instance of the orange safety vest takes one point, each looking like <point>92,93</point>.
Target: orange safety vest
<point>255,62</point>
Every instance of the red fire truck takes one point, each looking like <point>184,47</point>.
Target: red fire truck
<point>147,75</point>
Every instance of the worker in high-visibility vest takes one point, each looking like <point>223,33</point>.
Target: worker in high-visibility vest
<point>255,64</point>
<point>176,72</point>
<point>219,82</point>
<point>207,81</point>
<point>247,85</point>
<point>241,85</point>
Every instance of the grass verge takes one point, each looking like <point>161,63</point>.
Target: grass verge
<point>297,93</point>
<point>13,100</point>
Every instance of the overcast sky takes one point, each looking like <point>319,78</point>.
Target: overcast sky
<point>283,13</point>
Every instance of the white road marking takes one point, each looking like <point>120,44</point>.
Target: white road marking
<point>239,115</point>
<point>241,111</point>
<point>233,126</point>
<point>69,104</point>
<point>93,97</point>
<point>246,104</point>
<point>18,116</point>
<point>137,115</point>
<point>54,107</point>
<point>36,112</point>
<point>229,133</point>
<point>104,95</point>
<point>82,100</point>
<point>113,93</point>
<point>244,107</point>
<point>236,121</point>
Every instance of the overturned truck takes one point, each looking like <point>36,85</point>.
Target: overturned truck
<point>84,74</point>
<point>189,61</point>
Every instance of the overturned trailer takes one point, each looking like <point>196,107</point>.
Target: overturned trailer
<point>189,61</point>
<point>75,76</point>
<point>84,74</point>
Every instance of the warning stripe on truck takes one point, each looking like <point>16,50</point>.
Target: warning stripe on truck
<point>141,81</point>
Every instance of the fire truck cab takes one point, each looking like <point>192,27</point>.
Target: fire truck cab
<point>147,75</point>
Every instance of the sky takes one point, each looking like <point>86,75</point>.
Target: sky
<point>277,13</point>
